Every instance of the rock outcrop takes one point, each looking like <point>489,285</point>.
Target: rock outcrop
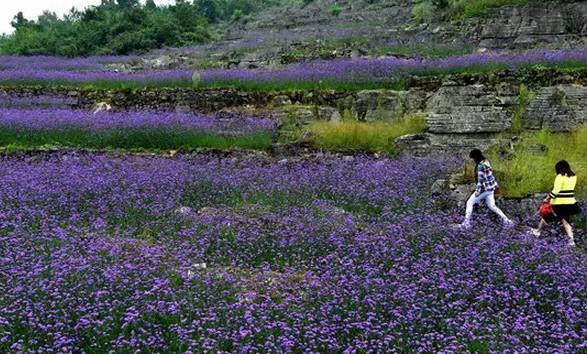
<point>557,108</point>
<point>473,109</point>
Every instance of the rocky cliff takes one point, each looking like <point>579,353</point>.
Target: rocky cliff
<point>462,111</point>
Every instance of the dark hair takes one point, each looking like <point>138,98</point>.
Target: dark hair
<point>563,168</point>
<point>477,155</point>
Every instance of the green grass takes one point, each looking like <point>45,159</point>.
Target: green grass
<point>428,51</point>
<point>139,139</point>
<point>524,99</point>
<point>478,8</point>
<point>528,172</point>
<point>463,9</point>
<point>374,137</point>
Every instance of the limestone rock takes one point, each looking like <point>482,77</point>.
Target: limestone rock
<point>523,27</point>
<point>439,144</point>
<point>373,105</point>
<point>281,100</point>
<point>538,149</point>
<point>414,144</point>
<point>459,109</point>
<point>557,108</point>
<point>439,187</point>
<point>329,114</point>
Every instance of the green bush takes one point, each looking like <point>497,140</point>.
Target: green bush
<point>123,26</point>
<point>422,11</point>
<point>335,10</point>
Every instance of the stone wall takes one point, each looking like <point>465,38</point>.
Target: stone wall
<point>463,111</point>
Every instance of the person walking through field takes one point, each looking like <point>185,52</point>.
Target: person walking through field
<point>486,186</point>
<point>562,199</point>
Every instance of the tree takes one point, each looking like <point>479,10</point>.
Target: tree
<point>150,5</point>
<point>19,21</point>
<point>127,4</point>
<point>122,27</point>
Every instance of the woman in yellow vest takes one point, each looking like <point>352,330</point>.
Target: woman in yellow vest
<point>562,199</point>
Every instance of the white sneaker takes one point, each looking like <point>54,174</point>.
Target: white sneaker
<point>462,226</point>
<point>536,232</point>
<point>572,242</point>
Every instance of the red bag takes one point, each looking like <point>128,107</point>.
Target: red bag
<point>546,210</point>
<point>497,192</point>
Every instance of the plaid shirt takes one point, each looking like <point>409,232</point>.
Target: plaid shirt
<point>484,177</point>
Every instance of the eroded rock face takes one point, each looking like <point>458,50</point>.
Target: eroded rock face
<point>526,27</point>
<point>557,108</point>
<point>453,144</point>
<point>374,105</point>
<point>456,109</point>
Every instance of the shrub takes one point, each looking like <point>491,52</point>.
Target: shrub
<point>335,10</point>
<point>422,11</point>
<point>525,97</point>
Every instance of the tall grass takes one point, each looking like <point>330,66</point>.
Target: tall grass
<point>478,8</point>
<point>528,172</point>
<point>376,136</point>
<point>427,50</point>
<point>131,139</point>
<point>524,99</point>
<point>462,9</point>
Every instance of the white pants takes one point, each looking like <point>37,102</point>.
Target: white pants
<point>489,199</point>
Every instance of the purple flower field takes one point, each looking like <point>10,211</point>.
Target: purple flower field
<point>104,254</point>
<point>320,73</point>
<point>387,70</point>
<point>62,127</point>
<point>38,119</point>
<point>84,71</point>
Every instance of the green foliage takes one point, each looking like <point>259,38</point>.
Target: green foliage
<point>139,139</point>
<point>526,172</point>
<point>422,11</point>
<point>335,9</point>
<point>525,97</point>
<point>461,9</point>
<point>428,50</point>
<point>354,135</point>
<point>123,26</point>
<point>440,4</point>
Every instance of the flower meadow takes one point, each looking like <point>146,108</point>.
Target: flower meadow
<point>90,71</point>
<point>338,73</point>
<point>33,127</point>
<point>385,71</point>
<point>111,253</point>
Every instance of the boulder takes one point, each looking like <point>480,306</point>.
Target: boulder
<point>329,114</point>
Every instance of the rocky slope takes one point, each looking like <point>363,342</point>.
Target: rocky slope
<point>368,28</point>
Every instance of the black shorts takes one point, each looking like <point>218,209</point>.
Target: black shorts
<point>563,212</point>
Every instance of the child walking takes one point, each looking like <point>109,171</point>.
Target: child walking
<point>486,185</point>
